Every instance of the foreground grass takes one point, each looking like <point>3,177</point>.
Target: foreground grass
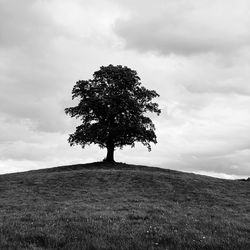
<point>102,206</point>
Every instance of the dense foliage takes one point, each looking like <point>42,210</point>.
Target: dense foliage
<point>112,109</point>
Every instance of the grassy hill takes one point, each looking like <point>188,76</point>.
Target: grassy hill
<point>119,206</point>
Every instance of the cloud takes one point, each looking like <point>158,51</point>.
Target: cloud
<point>213,138</point>
<point>26,68</point>
<point>45,47</point>
<point>186,27</point>
<point>195,54</point>
<point>213,77</point>
<point>22,148</point>
<point>24,23</point>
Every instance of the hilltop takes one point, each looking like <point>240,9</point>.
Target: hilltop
<point>120,206</point>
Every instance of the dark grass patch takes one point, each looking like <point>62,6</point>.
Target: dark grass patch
<point>119,206</point>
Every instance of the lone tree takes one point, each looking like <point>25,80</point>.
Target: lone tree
<point>112,107</point>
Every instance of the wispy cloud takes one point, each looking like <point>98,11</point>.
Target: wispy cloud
<point>186,27</point>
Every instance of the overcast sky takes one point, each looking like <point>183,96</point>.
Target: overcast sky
<point>195,54</point>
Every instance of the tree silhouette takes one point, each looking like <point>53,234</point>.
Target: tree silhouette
<point>112,107</point>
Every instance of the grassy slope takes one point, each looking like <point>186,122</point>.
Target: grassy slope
<point>102,206</point>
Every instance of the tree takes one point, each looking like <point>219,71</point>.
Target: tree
<point>112,107</point>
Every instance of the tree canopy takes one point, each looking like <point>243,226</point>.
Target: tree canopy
<point>112,109</point>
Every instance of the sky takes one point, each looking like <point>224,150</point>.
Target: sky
<point>195,54</point>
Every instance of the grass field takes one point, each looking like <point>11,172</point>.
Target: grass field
<point>118,206</point>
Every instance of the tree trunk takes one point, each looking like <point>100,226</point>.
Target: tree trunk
<point>110,152</point>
